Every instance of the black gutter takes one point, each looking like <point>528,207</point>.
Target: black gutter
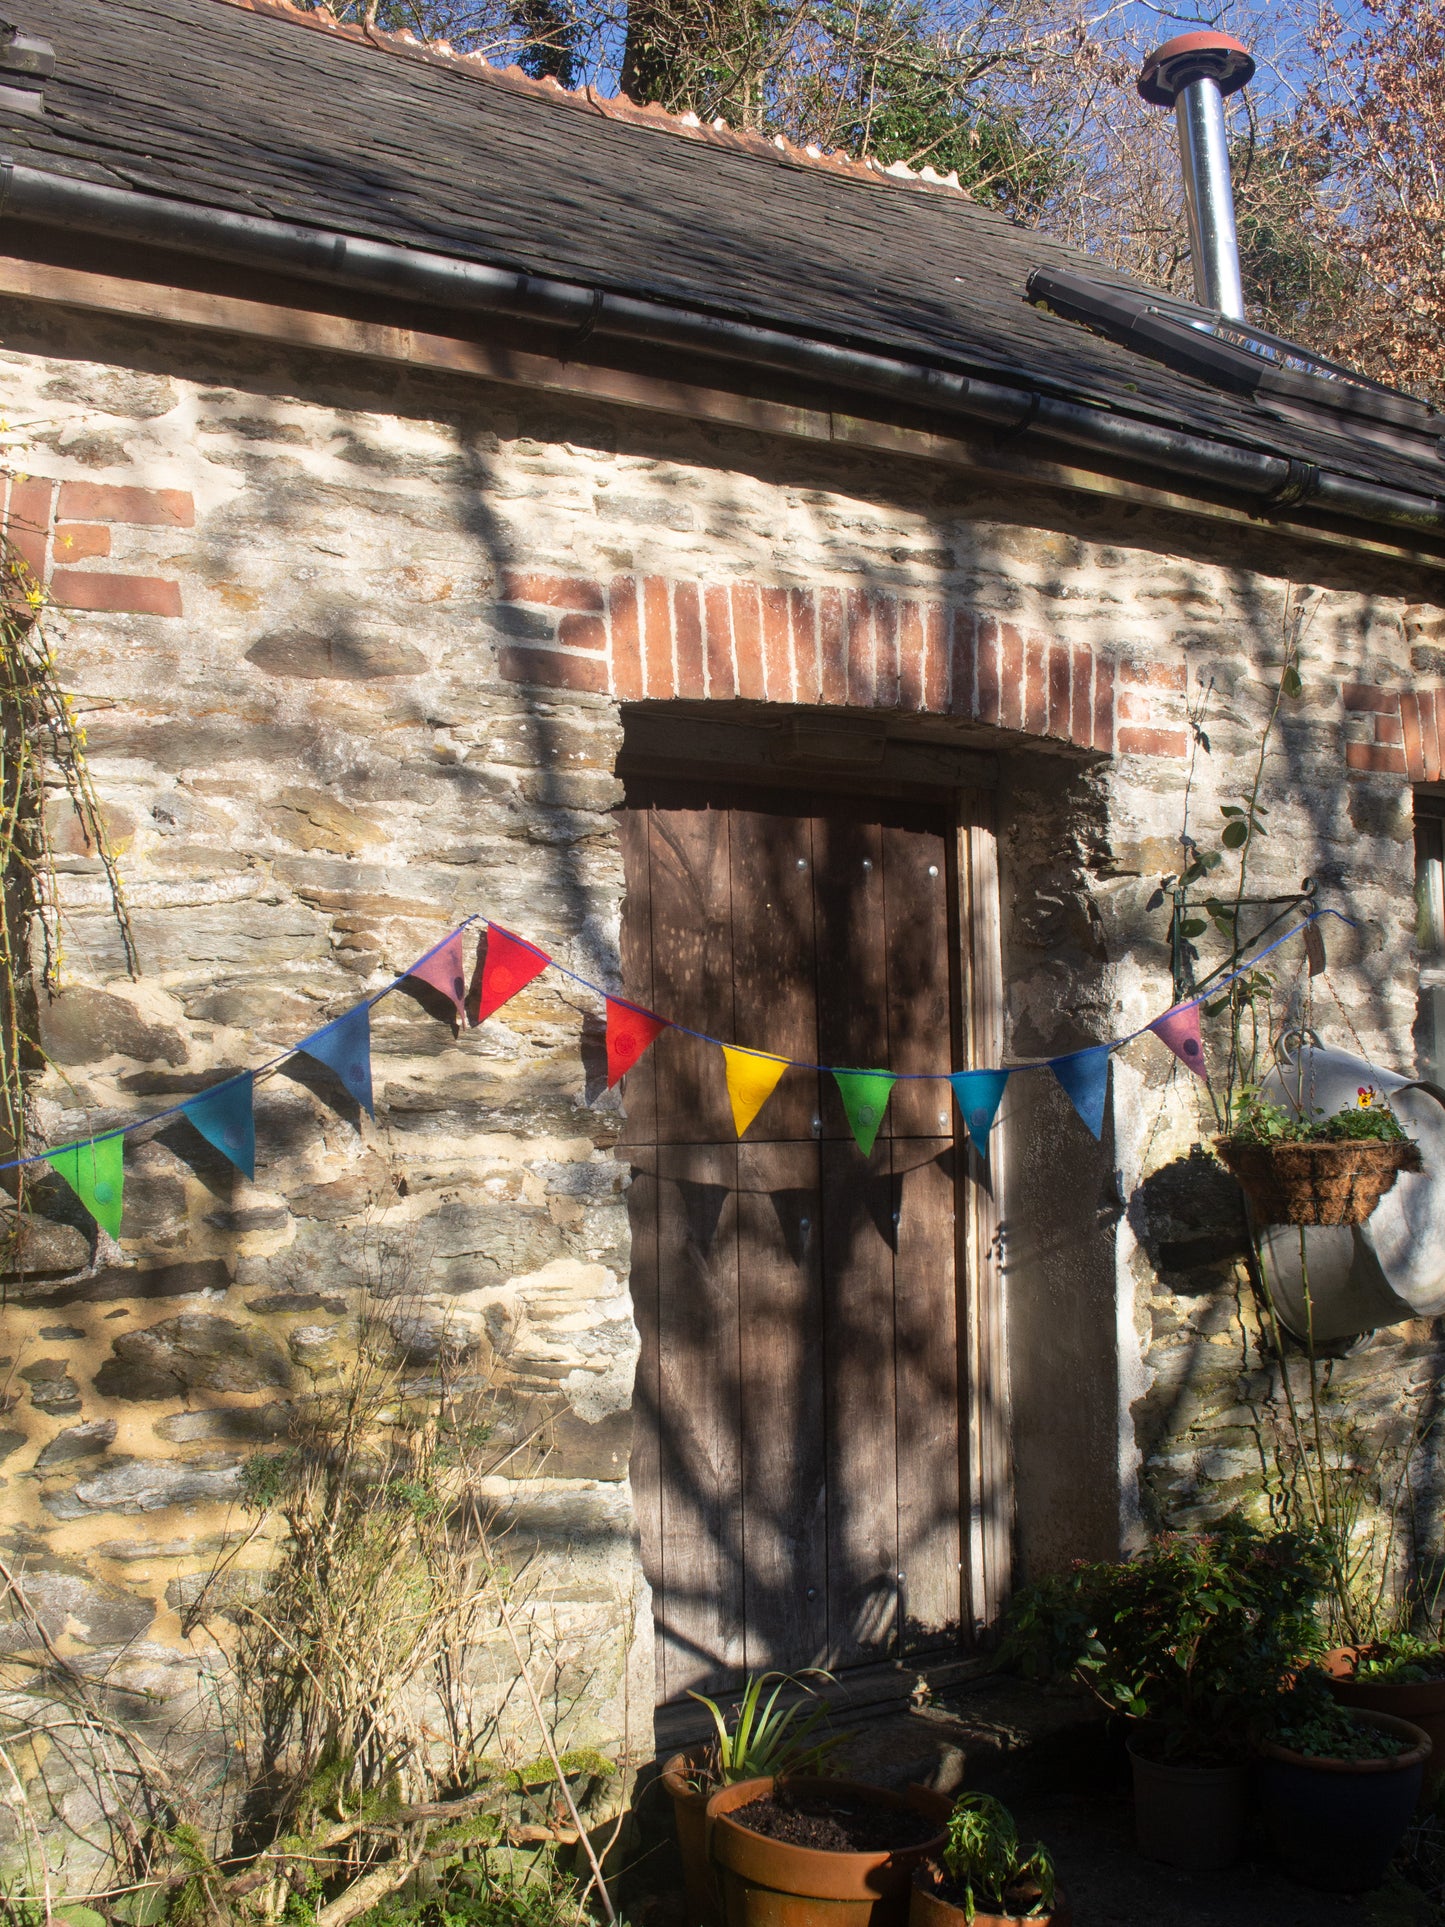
<point>443,281</point>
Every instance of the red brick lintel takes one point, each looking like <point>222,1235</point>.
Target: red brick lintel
<point>650,637</point>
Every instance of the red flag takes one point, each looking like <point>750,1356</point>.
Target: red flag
<point>446,971</point>
<point>510,966</point>
<point>629,1032</point>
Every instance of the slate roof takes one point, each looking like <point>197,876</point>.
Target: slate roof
<point>249,107</point>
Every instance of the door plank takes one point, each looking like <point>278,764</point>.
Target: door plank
<point>644,1469</point>
<point>639,1090</point>
<point>774,961</point>
<point>862,1461</point>
<point>852,967</point>
<point>699,1406</point>
<point>781,1310</point>
<point>919,1004</point>
<point>693,977</point>
<point>925,1323</point>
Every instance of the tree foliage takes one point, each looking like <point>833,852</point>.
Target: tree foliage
<point>1374,122</point>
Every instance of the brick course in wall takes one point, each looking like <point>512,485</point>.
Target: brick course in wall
<point>658,640</point>
<point>53,524</point>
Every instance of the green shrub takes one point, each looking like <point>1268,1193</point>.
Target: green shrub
<point>1197,1636</point>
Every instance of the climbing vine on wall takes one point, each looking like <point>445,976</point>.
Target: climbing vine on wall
<point>42,766</point>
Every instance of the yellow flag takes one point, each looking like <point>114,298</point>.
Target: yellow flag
<point>752,1078</point>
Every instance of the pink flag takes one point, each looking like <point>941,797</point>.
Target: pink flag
<point>1179,1029</point>
<point>445,970</point>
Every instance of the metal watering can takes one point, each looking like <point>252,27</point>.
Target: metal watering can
<point>1392,1266</point>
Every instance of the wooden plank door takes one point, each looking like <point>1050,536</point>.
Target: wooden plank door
<point>797,1467</point>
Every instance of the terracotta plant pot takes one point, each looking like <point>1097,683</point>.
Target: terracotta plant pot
<point>1188,1816</point>
<point>767,1883</point>
<point>926,1908</point>
<point>689,1817</point>
<point>1335,1824</point>
<point>1420,1702</point>
<point>1316,1183</point>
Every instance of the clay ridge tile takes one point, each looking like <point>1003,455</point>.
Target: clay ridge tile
<point>611,106</point>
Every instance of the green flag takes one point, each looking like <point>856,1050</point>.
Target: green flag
<point>865,1099</point>
<point>93,1171</point>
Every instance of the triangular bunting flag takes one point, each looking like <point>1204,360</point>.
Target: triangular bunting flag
<point>629,1032</point>
<point>1179,1029</point>
<point>865,1099</point>
<point>510,966</point>
<point>979,1094</point>
<point>345,1047</point>
<point>225,1118</point>
<point>752,1078</point>
<point>1084,1074</point>
<point>95,1173</point>
<point>445,970</point>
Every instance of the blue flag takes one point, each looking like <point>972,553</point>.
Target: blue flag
<point>979,1094</point>
<point>1084,1074</point>
<point>224,1118</point>
<point>344,1046</point>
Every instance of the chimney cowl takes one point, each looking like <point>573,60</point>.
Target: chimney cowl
<point>1192,74</point>
<point>1195,56</point>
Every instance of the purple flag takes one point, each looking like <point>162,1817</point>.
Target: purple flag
<point>445,970</point>
<point>1179,1029</point>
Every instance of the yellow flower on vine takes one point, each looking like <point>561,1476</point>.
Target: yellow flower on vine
<point>1365,1096</point>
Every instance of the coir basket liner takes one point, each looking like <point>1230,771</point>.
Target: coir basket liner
<point>1316,1183</point>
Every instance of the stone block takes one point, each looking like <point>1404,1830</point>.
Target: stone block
<point>52,1389</point>
<point>235,1424</point>
<point>113,1282</point>
<point>196,1351</point>
<point>335,657</point>
<point>65,1600</point>
<point>149,1485</point>
<point>84,1026</point>
<point>86,1441</point>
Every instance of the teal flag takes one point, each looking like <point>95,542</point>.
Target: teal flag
<point>979,1094</point>
<point>865,1099</point>
<point>224,1117</point>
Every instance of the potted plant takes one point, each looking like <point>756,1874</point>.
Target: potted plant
<point>1337,1788</point>
<point>755,1739</point>
<point>1400,1674</point>
<point>820,1853</point>
<point>1191,1641</point>
<point>985,1876</point>
<point>1298,1169</point>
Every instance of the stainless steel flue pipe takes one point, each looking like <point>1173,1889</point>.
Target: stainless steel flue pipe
<point>1193,74</point>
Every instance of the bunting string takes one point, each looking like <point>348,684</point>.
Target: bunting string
<point>223,1115</point>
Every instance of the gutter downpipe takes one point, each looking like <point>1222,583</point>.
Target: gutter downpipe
<point>381,268</point>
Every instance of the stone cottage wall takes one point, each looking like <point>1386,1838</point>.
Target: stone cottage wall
<point>350,647</point>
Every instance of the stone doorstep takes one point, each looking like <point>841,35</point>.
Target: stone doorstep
<point>980,1727</point>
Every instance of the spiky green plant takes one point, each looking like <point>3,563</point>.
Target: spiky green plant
<point>985,1857</point>
<point>765,1740</point>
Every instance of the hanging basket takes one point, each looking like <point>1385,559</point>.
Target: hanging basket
<point>1316,1183</point>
